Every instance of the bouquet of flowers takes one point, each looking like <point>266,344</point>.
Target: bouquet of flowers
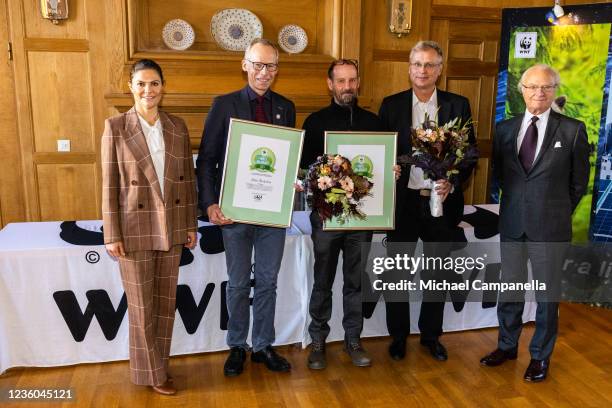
<point>335,190</point>
<point>442,152</point>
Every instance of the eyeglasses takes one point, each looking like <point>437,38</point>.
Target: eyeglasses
<point>271,67</point>
<point>543,88</point>
<point>428,65</point>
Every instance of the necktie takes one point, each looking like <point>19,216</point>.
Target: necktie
<point>260,112</point>
<point>529,145</point>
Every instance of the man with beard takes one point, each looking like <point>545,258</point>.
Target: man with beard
<point>342,114</point>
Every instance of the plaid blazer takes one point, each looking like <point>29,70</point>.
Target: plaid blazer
<point>133,209</point>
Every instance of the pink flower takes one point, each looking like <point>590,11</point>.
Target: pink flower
<point>347,185</point>
<point>324,182</point>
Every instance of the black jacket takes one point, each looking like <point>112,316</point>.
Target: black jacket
<point>337,118</point>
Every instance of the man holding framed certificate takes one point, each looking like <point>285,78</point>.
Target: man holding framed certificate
<point>255,102</point>
<point>343,114</point>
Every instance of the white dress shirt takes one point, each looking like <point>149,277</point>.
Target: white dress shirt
<point>540,125</point>
<point>154,135</point>
<point>417,179</point>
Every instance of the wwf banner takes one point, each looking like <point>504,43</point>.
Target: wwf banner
<point>62,302</point>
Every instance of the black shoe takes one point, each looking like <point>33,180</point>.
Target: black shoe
<point>436,349</point>
<point>397,348</point>
<point>235,361</point>
<point>271,359</point>
<point>355,350</point>
<point>498,357</point>
<point>537,370</point>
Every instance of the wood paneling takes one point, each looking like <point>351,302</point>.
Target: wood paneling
<point>60,90</point>
<point>74,27</point>
<point>71,185</point>
<point>12,206</point>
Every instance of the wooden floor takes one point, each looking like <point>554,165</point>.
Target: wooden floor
<point>580,376</point>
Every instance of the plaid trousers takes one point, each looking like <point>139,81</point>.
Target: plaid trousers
<point>149,280</point>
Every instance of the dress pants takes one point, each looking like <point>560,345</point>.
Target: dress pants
<point>545,259</point>
<point>327,246</point>
<point>416,222</point>
<point>149,280</point>
<point>269,243</point>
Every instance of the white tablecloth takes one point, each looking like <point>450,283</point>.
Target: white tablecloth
<point>62,303</point>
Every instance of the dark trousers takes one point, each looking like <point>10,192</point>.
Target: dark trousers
<point>545,261</point>
<point>414,223</point>
<point>327,246</point>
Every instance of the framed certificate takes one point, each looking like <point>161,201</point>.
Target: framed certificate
<point>372,154</point>
<point>261,165</point>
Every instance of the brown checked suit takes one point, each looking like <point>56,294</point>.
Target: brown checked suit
<point>152,228</point>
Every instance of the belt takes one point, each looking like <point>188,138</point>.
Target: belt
<point>425,192</point>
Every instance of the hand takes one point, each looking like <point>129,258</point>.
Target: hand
<point>397,169</point>
<point>192,240</point>
<point>215,215</point>
<point>443,187</point>
<point>115,249</point>
<point>299,187</point>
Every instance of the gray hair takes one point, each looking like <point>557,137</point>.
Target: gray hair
<point>553,73</point>
<point>261,41</point>
<point>427,45</point>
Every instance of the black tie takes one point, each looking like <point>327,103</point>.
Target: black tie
<point>529,145</point>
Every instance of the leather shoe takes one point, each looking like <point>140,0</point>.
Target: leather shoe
<point>316,358</point>
<point>537,370</point>
<point>235,362</point>
<point>355,350</point>
<point>271,359</point>
<point>397,348</point>
<point>436,349</point>
<point>164,389</point>
<point>498,357</point>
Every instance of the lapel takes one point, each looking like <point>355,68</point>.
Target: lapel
<point>549,133</point>
<point>136,143</point>
<point>515,127</point>
<point>444,108</point>
<point>243,105</point>
<point>277,111</point>
<point>173,151</point>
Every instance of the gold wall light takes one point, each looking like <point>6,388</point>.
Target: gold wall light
<point>400,16</point>
<point>54,10</point>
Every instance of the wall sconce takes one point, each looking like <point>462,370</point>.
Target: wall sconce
<point>54,10</point>
<point>400,16</point>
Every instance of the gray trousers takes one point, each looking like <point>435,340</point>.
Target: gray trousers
<point>327,246</point>
<point>545,265</point>
<point>269,243</point>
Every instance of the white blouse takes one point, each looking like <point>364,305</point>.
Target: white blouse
<point>154,136</point>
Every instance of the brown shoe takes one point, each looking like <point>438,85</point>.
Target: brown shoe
<point>355,350</point>
<point>164,389</point>
<point>498,357</point>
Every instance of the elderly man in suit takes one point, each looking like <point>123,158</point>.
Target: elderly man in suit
<point>258,103</point>
<point>541,160</point>
<point>402,112</point>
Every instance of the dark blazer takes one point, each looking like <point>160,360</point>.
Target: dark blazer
<point>211,156</point>
<point>540,203</point>
<point>396,115</point>
<point>133,209</point>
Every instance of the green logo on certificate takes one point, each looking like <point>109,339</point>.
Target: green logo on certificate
<point>263,159</point>
<point>363,166</point>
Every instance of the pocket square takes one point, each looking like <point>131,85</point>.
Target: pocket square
<point>557,144</point>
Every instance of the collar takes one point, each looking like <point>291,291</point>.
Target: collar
<point>542,117</point>
<point>253,95</point>
<point>145,125</point>
<point>336,105</point>
<point>433,99</point>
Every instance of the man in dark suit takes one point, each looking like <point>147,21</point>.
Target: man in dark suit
<point>258,103</point>
<point>541,160</point>
<point>402,112</point>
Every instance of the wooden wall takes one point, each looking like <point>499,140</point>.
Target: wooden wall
<point>64,80</point>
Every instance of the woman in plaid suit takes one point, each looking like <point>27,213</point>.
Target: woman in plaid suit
<point>149,213</point>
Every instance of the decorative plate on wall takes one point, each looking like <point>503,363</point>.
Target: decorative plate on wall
<point>292,38</point>
<point>178,34</point>
<point>234,29</point>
